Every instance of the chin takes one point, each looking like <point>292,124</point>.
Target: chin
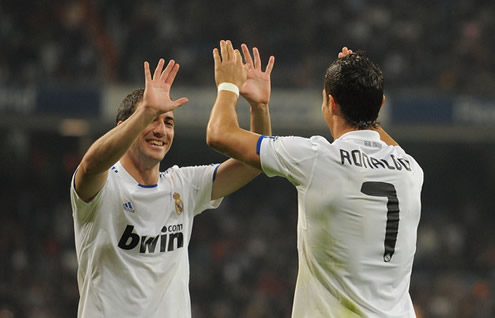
<point>158,158</point>
<point>153,156</point>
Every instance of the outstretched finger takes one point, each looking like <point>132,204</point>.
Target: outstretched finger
<point>230,50</point>
<point>147,72</point>
<point>179,102</point>
<point>166,72</point>
<point>171,74</point>
<point>216,58</point>
<point>158,69</point>
<point>223,51</point>
<point>257,59</point>
<point>237,57</point>
<point>174,104</point>
<point>247,55</point>
<point>269,66</point>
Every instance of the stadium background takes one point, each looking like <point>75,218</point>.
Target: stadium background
<point>65,66</point>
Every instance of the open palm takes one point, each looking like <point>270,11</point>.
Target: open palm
<point>157,87</point>
<point>257,88</point>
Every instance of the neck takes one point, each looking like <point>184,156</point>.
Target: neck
<point>142,173</point>
<point>339,127</point>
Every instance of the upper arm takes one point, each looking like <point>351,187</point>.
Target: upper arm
<point>385,137</point>
<point>235,173</point>
<point>239,144</point>
<point>230,177</point>
<point>88,185</point>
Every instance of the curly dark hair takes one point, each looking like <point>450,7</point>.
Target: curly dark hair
<point>128,105</point>
<point>356,84</point>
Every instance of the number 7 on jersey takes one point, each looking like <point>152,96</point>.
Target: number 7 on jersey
<point>384,189</point>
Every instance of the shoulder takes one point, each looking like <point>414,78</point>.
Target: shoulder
<point>191,174</point>
<point>319,141</point>
<point>170,171</point>
<point>293,149</point>
<point>297,141</point>
<point>414,164</point>
<point>176,170</point>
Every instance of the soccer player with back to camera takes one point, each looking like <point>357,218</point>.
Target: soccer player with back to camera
<point>359,196</point>
<point>132,222</point>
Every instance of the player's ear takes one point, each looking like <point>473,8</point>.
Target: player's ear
<point>325,97</point>
<point>383,101</point>
<point>332,103</point>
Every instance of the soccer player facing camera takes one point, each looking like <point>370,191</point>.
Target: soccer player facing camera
<point>358,197</point>
<point>132,222</point>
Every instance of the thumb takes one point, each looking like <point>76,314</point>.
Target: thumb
<point>180,102</point>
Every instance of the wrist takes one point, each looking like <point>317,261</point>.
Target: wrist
<point>230,87</point>
<point>147,112</point>
<point>255,106</point>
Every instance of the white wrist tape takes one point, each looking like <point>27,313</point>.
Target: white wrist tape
<point>225,86</point>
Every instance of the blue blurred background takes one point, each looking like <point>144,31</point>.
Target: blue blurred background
<point>65,65</point>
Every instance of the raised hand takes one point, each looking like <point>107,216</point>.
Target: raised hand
<point>157,87</point>
<point>345,52</point>
<point>228,65</point>
<point>257,88</point>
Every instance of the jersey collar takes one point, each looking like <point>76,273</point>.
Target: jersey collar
<point>119,167</point>
<point>361,134</point>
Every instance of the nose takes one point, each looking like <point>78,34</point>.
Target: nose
<point>159,129</point>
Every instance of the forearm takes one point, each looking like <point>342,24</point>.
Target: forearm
<point>224,134</point>
<point>109,148</point>
<point>223,120</point>
<point>260,121</point>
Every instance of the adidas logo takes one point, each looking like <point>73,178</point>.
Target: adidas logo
<point>128,207</point>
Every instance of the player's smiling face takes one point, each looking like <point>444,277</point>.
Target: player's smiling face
<point>156,139</point>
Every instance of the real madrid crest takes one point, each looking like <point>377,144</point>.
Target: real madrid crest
<point>179,205</point>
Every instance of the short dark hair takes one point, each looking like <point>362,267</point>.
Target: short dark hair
<point>356,84</point>
<point>128,105</point>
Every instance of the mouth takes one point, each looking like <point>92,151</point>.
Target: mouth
<point>156,142</point>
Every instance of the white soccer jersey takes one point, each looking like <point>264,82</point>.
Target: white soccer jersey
<point>359,209</point>
<point>132,243</point>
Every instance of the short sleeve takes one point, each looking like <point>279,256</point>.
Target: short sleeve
<point>413,165</point>
<point>288,157</point>
<point>83,211</point>
<point>201,179</point>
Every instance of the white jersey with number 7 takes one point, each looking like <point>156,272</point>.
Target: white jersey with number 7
<point>359,208</point>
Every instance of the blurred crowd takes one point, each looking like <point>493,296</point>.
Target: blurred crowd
<point>243,255</point>
<point>442,46</point>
